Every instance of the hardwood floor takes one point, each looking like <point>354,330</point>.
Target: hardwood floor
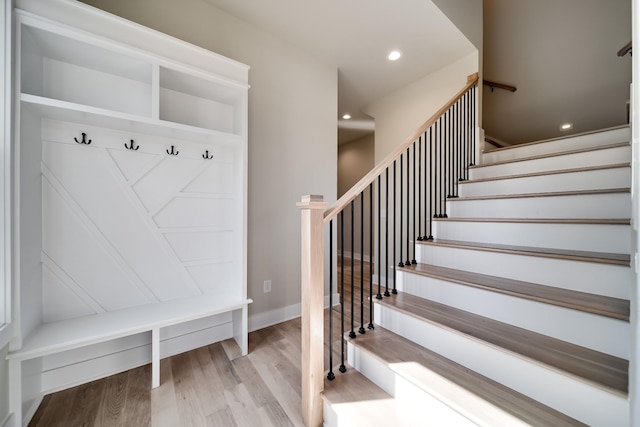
<point>208,386</point>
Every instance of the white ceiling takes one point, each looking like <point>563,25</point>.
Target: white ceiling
<point>561,55</point>
<point>337,32</point>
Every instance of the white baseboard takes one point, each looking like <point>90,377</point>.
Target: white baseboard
<point>279,315</point>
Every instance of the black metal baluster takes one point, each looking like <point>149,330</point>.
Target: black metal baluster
<point>408,262</point>
<point>386,238</point>
<point>454,137</point>
<point>467,160</point>
<point>352,333</point>
<point>452,151</point>
<point>400,263</point>
<point>441,171</point>
<point>395,239</point>
<point>342,368</point>
<point>371,256</point>
<point>473,126</point>
<point>444,153</point>
<point>460,145</point>
<point>432,182</point>
<point>427,213</point>
<point>362,330</point>
<point>379,295</point>
<point>414,234</point>
<point>419,192</point>
<point>331,375</point>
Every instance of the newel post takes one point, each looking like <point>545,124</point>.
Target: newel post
<point>312,283</point>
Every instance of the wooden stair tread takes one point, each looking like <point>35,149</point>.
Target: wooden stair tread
<point>544,173</point>
<point>597,304</point>
<point>545,156</point>
<point>545,194</point>
<point>587,221</point>
<point>358,401</point>
<point>468,392</point>
<point>601,369</point>
<point>571,255</point>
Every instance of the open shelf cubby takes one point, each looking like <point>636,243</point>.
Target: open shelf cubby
<point>66,69</point>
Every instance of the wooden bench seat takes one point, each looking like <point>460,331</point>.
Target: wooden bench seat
<point>56,337</point>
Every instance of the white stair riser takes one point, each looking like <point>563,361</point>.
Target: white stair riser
<point>406,393</point>
<point>584,329</point>
<point>549,386</point>
<point>577,160</point>
<point>597,139</point>
<point>587,180</point>
<point>607,205</point>
<point>612,238</point>
<point>600,279</point>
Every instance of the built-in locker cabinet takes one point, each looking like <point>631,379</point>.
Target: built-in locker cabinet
<point>130,199</point>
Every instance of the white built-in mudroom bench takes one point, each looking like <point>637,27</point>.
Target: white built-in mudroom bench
<point>130,199</point>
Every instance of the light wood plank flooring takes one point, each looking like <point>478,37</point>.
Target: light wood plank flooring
<point>209,386</point>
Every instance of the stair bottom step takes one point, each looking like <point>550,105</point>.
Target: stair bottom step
<point>353,400</point>
<point>471,396</point>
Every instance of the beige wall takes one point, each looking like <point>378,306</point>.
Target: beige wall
<point>292,136</point>
<point>401,113</point>
<point>355,160</point>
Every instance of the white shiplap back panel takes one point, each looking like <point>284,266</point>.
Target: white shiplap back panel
<point>133,164</point>
<point>199,212</point>
<point>62,301</point>
<point>198,246</point>
<point>167,178</point>
<point>71,243</point>
<point>110,249</point>
<point>216,278</point>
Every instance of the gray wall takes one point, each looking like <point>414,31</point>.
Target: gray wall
<point>355,160</point>
<point>292,136</point>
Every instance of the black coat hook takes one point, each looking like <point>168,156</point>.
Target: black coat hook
<point>172,151</point>
<point>207,156</point>
<point>131,146</point>
<point>84,139</point>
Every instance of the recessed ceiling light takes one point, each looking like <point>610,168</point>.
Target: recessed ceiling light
<point>346,116</point>
<point>394,55</point>
<point>566,126</point>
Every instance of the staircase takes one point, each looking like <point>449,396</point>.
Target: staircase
<point>517,313</point>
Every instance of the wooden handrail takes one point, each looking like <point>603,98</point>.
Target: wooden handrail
<point>360,186</point>
<point>493,85</point>
<point>626,49</point>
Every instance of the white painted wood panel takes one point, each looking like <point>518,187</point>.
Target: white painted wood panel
<point>611,238</point>
<point>608,205</point>
<point>573,181</point>
<point>103,198</point>
<point>584,329</point>
<point>594,139</point>
<point>596,278</point>
<point>560,162</point>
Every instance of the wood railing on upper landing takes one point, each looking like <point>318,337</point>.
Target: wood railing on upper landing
<point>410,187</point>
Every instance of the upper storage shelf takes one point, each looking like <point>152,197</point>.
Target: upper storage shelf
<point>65,69</point>
<point>72,70</point>
<point>200,102</point>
